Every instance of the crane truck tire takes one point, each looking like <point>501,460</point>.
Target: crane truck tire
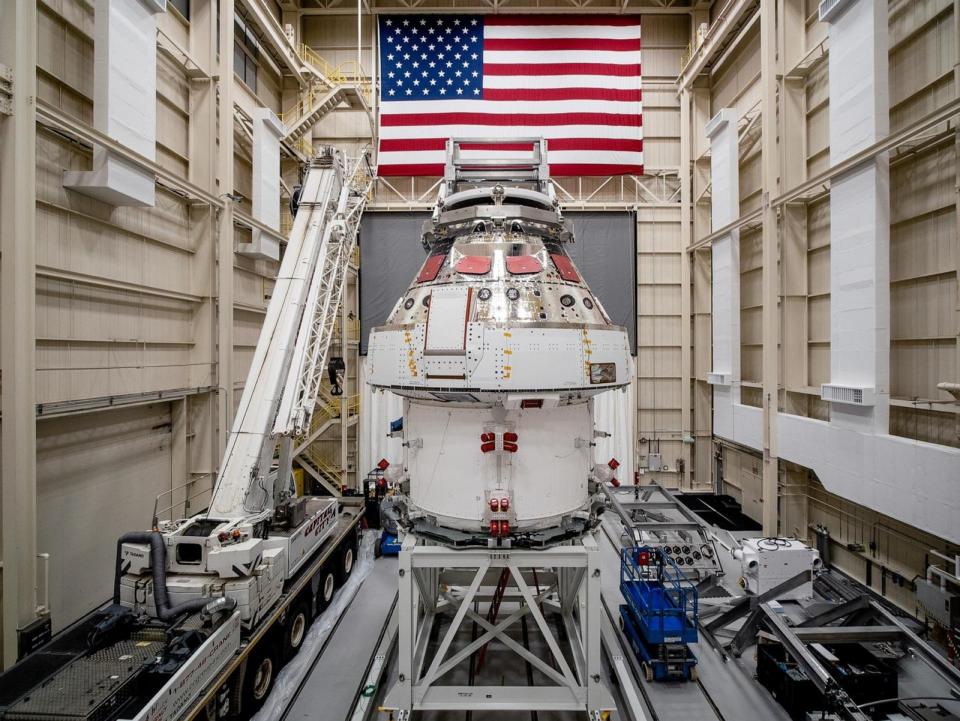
<point>261,672</point>
<point>328,586</point>
<point>295,628</point>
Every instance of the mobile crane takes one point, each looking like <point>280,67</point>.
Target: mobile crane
<point>206,609</point>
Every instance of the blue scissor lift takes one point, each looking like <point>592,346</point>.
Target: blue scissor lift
<point>660,615</point>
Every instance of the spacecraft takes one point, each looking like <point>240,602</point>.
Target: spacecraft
<point>498,348</point>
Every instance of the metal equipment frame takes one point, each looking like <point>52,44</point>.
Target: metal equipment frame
<point>439,581</point>
<point>648,522</point>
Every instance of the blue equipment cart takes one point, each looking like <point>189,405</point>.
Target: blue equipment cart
<point>660,615</point>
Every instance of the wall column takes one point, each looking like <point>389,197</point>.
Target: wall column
<point>771,266</point>
<point>18,194</point>
<point>860,214</point>
<point>686,330</point>
<point>225,244</point>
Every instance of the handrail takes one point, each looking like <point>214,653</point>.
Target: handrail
<point>156,501</point>
<point>346,73</point>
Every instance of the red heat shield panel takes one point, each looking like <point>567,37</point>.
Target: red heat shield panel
<point>431,268</point>
<point>473,265</point>
<point>523,265</point>
<point>565,268</point>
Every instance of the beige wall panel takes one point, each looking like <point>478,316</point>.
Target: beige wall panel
<point>243,181</point>
<point>658,95</point>
<point>659,300</point>
<point>818,131</point>
<point>924,308</point>
<point>658,268</point>
<point>657,362</point>
<point>269,88</point>
<point>71,311</point>
<point>818,271</point>
<point>818,365</point>
<point>658,392</point>
<point>658,236</point>
<point>660,62</point>
<point>750,288</point>
<point>663,331</point>
<point>65,50</point>
<point>660,154</point>
<point>817,32</point>
<point>918,365</point>
<point>923,298</point>
<point>172,161</point>
<point>818,224</point>
<point>167,222</point>
<point>818,318</point>
<point>666,30</point>
<point>924,245</point>
<point>246,327</point>
<point>67,101</point>
<point>249,287</point>
<point>923,57</point>
<point>735,84</point>
<point>97,477</point>
<point>922,50</point>
<point>70,371</point>
<point>343,123</point>
<point>650,421</point>
<point>172,86</point>
<point>174,26</point>
<point>922,184</point>
<point>173,127</point>
<point>79,245</point>
<point>660,123</point>
<point>925,425</point>
<point>702,357</point>
<point>749,181</point>
<point>915,107</point>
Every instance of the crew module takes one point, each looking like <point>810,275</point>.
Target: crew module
<point>498,348</point>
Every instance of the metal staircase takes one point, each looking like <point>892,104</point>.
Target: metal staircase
<point>331,88</point>
<point>315,102</point>
<point>330,413</point>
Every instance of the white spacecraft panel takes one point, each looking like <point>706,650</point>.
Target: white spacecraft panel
<point>447,320</point>
<point>544,478</point>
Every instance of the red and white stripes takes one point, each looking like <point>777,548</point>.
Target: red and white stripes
<point>575,80</point>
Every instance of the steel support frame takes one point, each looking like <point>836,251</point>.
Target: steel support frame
<point>811,665</point>
<point>431,578</point>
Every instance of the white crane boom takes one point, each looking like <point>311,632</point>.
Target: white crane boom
<point>302,301</point>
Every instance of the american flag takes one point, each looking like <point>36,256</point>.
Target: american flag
<point>574,80</point>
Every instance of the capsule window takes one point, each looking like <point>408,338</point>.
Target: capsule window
<point>566,301</point>
<point>408,303</point>
<point>513,294</point>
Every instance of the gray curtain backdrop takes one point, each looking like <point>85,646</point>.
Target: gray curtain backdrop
<point>391,256</point>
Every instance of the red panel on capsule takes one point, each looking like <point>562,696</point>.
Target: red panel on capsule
<point>565,268</point>
<point>523,264</point>
<point>473,265</point>
<point>431,268</point>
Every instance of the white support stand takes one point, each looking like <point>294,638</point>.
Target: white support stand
<point>438,581</point>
